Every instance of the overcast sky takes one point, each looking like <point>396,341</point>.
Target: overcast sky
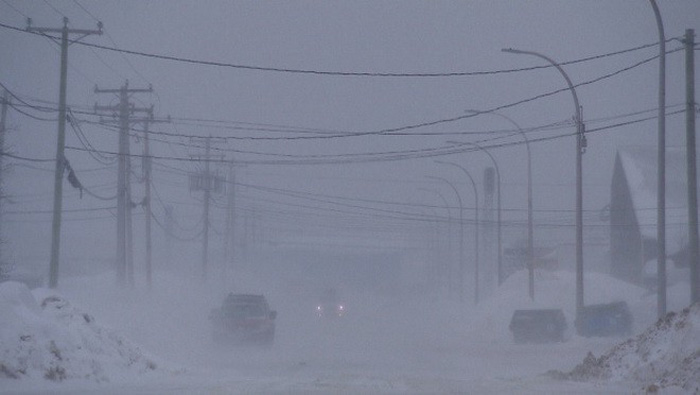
<point>405,37</point>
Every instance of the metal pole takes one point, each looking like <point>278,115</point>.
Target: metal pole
<point>476,227</point>
<point>661,170</point>
<point>580,147</point>
<point>499,262</point>
<point>449,238</point>
<point>530,231</point>
<point>207,194</point>
<point>460,275</point>
<point>3,131</point>
<point>691,165</point>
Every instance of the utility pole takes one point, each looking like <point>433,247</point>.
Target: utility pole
<point>58,176</point>
<point>3,130</point>
<point>207,197</point>
<point>229,244</point>
<point>147,182</point>
<point>208,183</point>
<point>693,254</point>
<point>128,224</point>
<point>168,225</point>
<point>146,166</point>
<point>124,264</point>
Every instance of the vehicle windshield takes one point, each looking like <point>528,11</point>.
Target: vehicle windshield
<point>244,310</point>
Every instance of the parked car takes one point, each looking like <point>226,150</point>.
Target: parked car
<point>607,319</point>
<point>244,319</point>
<point>538,326</point>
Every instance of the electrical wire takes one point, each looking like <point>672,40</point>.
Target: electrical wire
<point>337,73</point>
<point>55,9</point>
<point>403,130</point>
<point>15,9</point>
<point>37,118</point>
<point>75,125</point>
<point>26,158</point>
<point>382,157</point>
<point>78,210</point>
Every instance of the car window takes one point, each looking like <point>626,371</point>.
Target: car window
<point>245,310</point>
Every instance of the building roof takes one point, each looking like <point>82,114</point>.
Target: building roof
<point>639,164</point>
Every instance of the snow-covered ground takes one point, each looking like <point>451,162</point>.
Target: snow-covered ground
<point>90,336</point>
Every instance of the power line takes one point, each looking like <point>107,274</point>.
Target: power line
<point>16,10</point>
<point>34,117</point>
<point>380,156</point>
<point>26,158</point>
<point>55,9</point>
<point>340,73</point>
<point>86,11</point>
<point>85,142</point>
<point>402,130</point>
<point>77,210</point>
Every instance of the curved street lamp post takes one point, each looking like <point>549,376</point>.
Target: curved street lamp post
<point>461,235</point>
<point>499,264</point>
<point>661,171</point>
<point>580,148</point>
<point>476,227</point>
<point>449,233</point>
<point>530,231</point>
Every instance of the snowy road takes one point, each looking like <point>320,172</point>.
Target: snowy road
<point>384,344</point>
<point>379,350</point>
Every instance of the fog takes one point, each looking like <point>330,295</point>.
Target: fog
<point>325,122</point>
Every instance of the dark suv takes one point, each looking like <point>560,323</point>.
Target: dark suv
<point>538,326</point>
<point>244,318</point>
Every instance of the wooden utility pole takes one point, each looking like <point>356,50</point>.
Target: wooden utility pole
<point>229,244</point>
<point>58,175</point>
<point>207,196</point>
<point>690,108</point>
<point>124,264</point>
<point>147,162</point>
<point>206,182</point>
<point>147,182</point>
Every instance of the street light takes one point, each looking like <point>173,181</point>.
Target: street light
<point>476,227</point>
<point>661,171</point>
<point>461,236</point>
<point>580,147</point>
<point>530,232</point>
<point>449,233</point>
<point>499,265</point>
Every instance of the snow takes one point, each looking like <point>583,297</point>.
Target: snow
<point>44,337</point>
<point>91,336</point>
<point>667,354</point>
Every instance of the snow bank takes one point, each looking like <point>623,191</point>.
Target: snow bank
<point>667,354</point>
<point>43,336</point>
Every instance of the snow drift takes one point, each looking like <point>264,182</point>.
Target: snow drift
<point>667,354</point>
<point>43,335</point>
